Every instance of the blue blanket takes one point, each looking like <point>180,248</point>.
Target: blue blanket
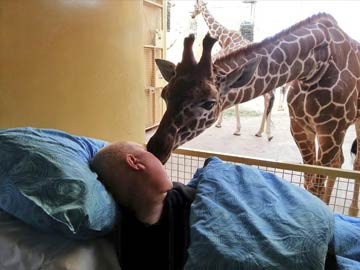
<point>346,242</point>
<point>244,218</point>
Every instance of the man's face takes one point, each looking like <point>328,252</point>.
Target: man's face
<point>154,170</point>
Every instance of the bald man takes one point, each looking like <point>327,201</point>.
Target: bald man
<point>154,227</point>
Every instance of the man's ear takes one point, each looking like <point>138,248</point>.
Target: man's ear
<point>240,76</point>
<point>167,68</point>
<point>134,162</point>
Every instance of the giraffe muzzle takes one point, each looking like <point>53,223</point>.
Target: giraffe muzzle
<point>160,147</point>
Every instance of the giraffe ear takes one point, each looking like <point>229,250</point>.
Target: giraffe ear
<point>167,68</point>
<point>241,76</point>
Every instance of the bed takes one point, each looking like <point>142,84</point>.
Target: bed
<point>24,248</point>
<point>26,243</point>
<point>55,213</point>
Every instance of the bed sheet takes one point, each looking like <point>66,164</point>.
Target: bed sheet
<point>245,218</point>
<point>346,242</point>
<point>24,248</point>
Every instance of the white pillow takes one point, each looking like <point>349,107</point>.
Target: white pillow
<point>25,248</point>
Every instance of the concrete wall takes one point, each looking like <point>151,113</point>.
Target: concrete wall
<point>73,65</point>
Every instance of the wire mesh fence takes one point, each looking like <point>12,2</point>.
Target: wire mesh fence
<point>183,163</point>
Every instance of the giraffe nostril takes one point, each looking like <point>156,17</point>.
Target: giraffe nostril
<point>153,147</point>
<point>160,147</point>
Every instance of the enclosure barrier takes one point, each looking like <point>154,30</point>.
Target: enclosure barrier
<point>183,163</point>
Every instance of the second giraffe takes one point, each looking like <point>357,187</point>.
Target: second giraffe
<point>228,41</point>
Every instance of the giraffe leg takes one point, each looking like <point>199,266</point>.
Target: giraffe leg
<point>330,155</point>
<point>219,121</point>
<point>282,98</point>
<point>238,124</point>
<point>305,141</point>
<point>270,104</point>
<point>268,127</point>
<point>354,208</point>
<point>337,163</point>
<point>262,125</point>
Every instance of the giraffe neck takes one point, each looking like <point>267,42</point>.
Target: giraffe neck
<point>218,31</point>
<point>301,52</point>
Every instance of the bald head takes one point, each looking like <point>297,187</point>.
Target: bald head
<point>110,165</point>
<point>129,171</point>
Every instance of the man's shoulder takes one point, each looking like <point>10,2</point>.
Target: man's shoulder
<point>182,193</point>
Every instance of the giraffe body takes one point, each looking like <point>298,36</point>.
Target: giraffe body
<point>321,63</point>
<point>230,40</point>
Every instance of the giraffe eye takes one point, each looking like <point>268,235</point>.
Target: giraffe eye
<point>207,105</point>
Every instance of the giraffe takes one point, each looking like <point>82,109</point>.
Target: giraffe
<point>230,40</point>
<point>283,91</point>
<point>318,59</point>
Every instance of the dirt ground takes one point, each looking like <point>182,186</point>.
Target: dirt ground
<point>280,148</point>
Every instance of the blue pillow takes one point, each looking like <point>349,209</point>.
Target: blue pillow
<point>46,181</point>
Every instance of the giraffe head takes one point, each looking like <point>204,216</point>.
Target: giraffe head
<point>199,5</point>
<point>193,97</point>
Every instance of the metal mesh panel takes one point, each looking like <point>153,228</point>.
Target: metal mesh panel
<point>154,47</point>
<point>159,105</point>
<point>149,67</point>
<point>153,19</point>
<point>153,82</point>
<point>183,163</point>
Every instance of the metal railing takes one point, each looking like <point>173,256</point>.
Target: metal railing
<point>183,163</point>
